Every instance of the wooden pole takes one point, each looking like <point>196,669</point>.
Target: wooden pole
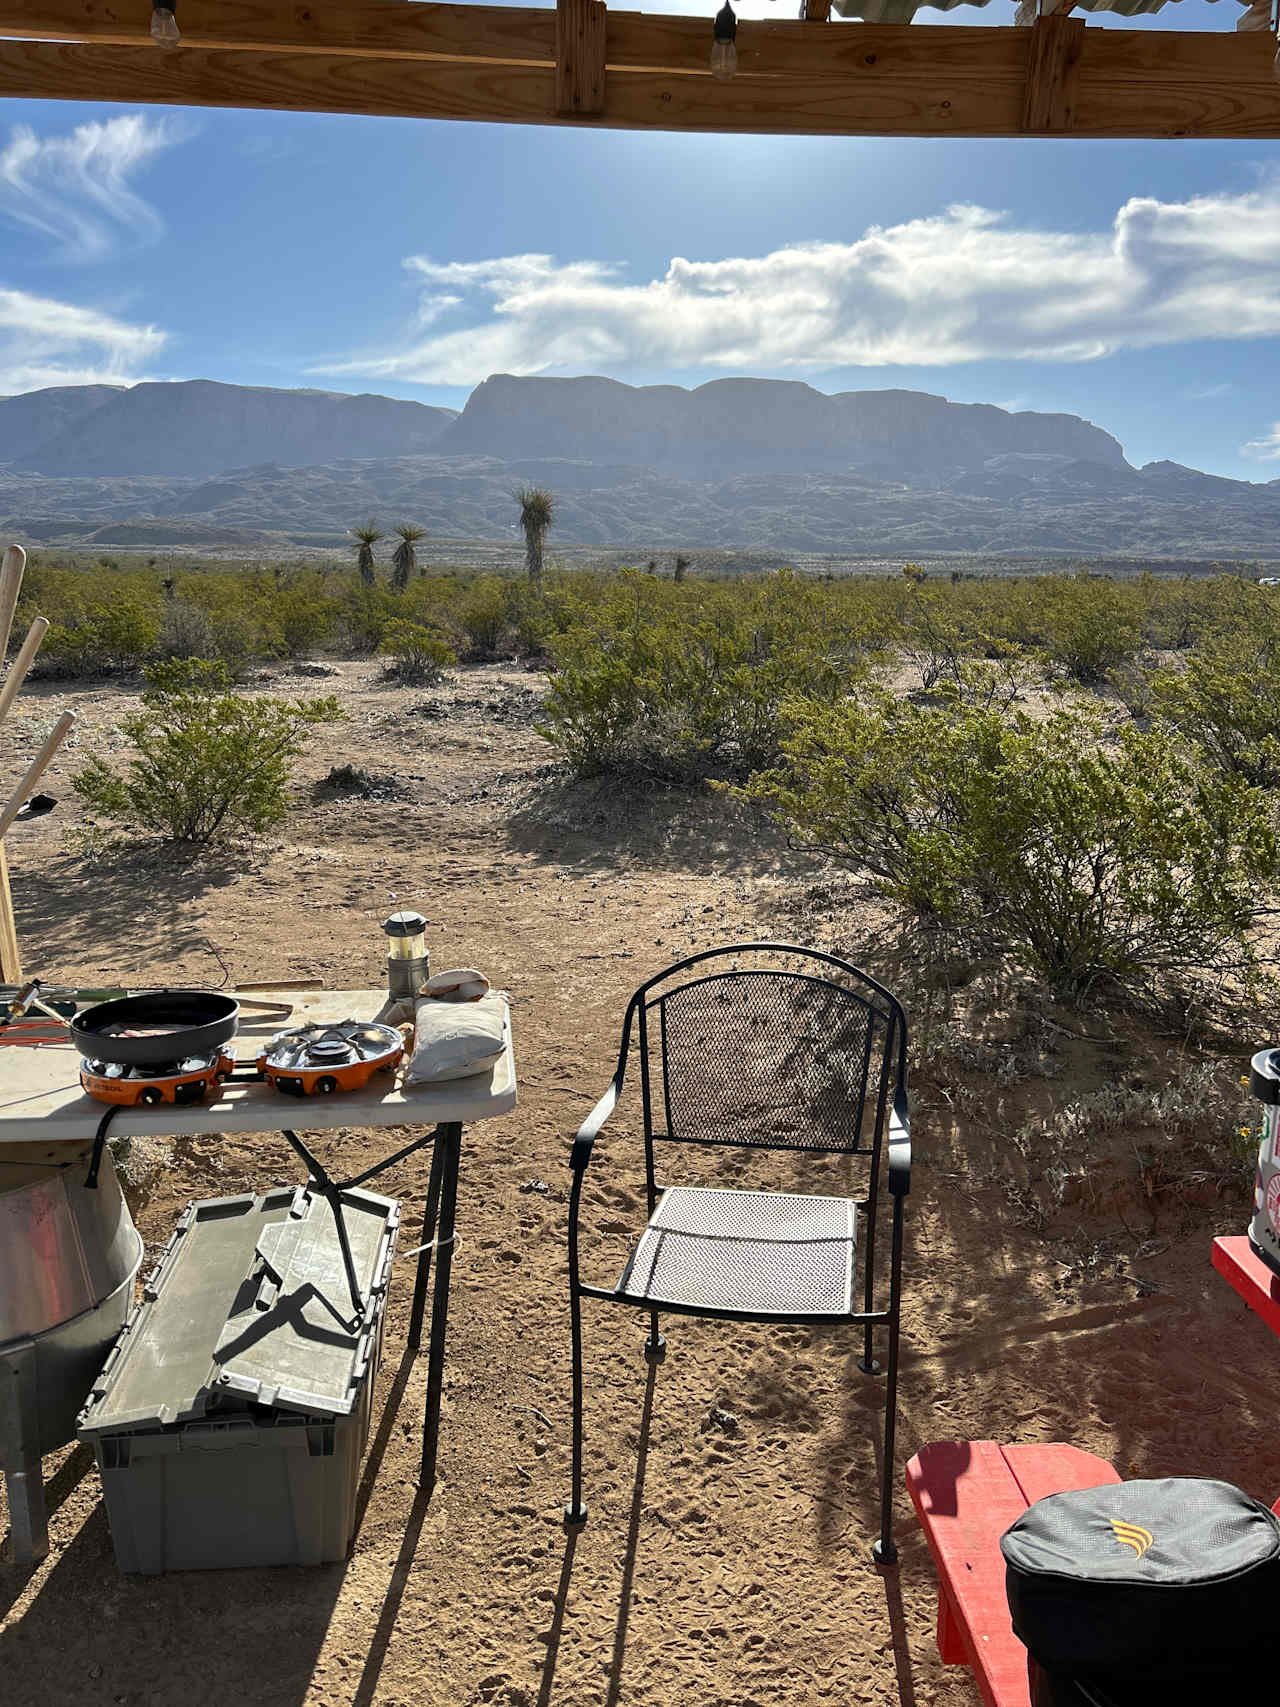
<point>10,959</point>
<point>21,664</point>
<point>15,561</point>
<point>36,769</point>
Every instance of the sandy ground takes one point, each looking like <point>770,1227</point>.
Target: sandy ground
<point>723,1566</point>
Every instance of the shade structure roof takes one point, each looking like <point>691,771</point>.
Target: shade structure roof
<point>580,63</point>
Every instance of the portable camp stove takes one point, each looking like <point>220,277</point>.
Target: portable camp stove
<point>316,1060</point>
<point>140,1085</point>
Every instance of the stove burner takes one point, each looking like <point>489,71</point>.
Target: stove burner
<point>139,1085</point>
<point>315,1060</point>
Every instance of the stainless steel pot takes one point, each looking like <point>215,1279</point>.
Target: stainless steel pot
<point>63,1250</point>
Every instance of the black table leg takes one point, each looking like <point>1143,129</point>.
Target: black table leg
<point>423,1278</point>
<point>331,1191</point>
<point>449,1147</point>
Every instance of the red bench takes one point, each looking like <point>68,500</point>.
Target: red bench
<point>966,1494</point>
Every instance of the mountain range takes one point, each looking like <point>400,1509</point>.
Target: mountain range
<point>743,463</point>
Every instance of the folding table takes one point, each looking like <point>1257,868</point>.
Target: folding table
<point>41,1104</point>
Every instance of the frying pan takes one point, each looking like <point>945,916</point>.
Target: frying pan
<point>163,1025</point>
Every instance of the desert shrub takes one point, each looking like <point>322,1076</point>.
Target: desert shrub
<point>531,617</point>
<point>1095,861</point>
<point>363,615</point>
<point>483,614</point>
<point>186,631</point>
<point>685,682</point>
<point>306,618</point>
<point>207,761</point>
<point>104,637</point>
<point>419,654</point>
<point>1087,626</point>
<point>1226,701</point>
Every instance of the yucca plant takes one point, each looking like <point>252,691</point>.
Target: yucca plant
<point>404,559</point>
<point>537,514</point>
<point>366,538</point>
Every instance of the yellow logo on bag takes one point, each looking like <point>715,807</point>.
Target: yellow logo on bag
<point>1132,1535</point>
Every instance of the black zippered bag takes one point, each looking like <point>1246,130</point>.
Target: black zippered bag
<point>1145,1583</point>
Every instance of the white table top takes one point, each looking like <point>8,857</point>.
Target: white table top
<point>41,1100</point>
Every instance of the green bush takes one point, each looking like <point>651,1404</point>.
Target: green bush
<point>484,616</point>
<point>103,637</point>
<point>1090,627</point>
<point>207,761</point>
<point>686,681</point>
<point>1095,861</point>
<point>1226,701</point>
<point>420,655</point>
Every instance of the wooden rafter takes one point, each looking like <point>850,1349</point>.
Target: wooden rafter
<point>504,65</point>
<point>580,58</point>
<point>1053,77</point>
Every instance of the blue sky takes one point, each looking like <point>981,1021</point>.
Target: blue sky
<point>413,259</point>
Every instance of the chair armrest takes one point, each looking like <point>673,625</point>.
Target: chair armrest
<point>900,1146</point>
<point>589,1131</point>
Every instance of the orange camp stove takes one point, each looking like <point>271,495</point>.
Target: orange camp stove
<point>316,1060</point>
<point>136,1085</point>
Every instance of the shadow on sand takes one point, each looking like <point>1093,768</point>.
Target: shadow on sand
<point>93,1636</point>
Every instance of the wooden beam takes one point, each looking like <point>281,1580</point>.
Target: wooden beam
<point>1053,74</point>
<point>35,770</point>
<point>580,57</point>
<point>10,956</point>
<point>387,28</point>
<point>970,98</point>
<point>816,11</point>
<point>901,81</point>
<point>21,664</point>
<point>518,35</point>
<point>12,566</point>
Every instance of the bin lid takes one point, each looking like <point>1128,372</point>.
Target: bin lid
<point>250,1305</point>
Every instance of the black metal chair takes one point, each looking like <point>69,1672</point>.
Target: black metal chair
<point>760,1046</point>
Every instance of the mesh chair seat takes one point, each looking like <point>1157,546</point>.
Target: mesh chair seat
<point>752,1253</point>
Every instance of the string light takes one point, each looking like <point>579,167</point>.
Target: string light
<point>724,51</point>
<point>164,22</point>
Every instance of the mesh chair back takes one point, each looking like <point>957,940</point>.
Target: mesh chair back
<point>769,1058</point>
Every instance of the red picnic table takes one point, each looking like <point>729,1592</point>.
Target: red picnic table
<point>1240,1265</point>
<point>966,1494</point>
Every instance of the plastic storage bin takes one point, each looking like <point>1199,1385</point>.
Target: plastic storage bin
<point>232,1414</point>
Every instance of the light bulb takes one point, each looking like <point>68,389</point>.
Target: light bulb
<point>724,59</point>
<point>164,26</point>
<point>724,51</point>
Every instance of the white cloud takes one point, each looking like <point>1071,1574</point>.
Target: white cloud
<point>1265,449</point>
<point>964,285</point>
<point>43,342</point>
<point>75,188</point>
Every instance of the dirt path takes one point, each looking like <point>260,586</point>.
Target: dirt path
<point>734,1571</point>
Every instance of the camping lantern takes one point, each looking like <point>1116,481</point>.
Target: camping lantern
<point>1264,1233</point>
<point>407,963</point>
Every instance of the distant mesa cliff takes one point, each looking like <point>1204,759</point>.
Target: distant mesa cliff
<point>744,426</point>
<point>756,464</point>
<point>36,417</point>
<point>200,427</point>
<point>729,427</point>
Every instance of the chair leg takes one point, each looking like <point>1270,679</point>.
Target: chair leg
<point>868,1363</point>
<point>575,1513</point>
<point>884,1552</point>
<point>655,1347</point>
